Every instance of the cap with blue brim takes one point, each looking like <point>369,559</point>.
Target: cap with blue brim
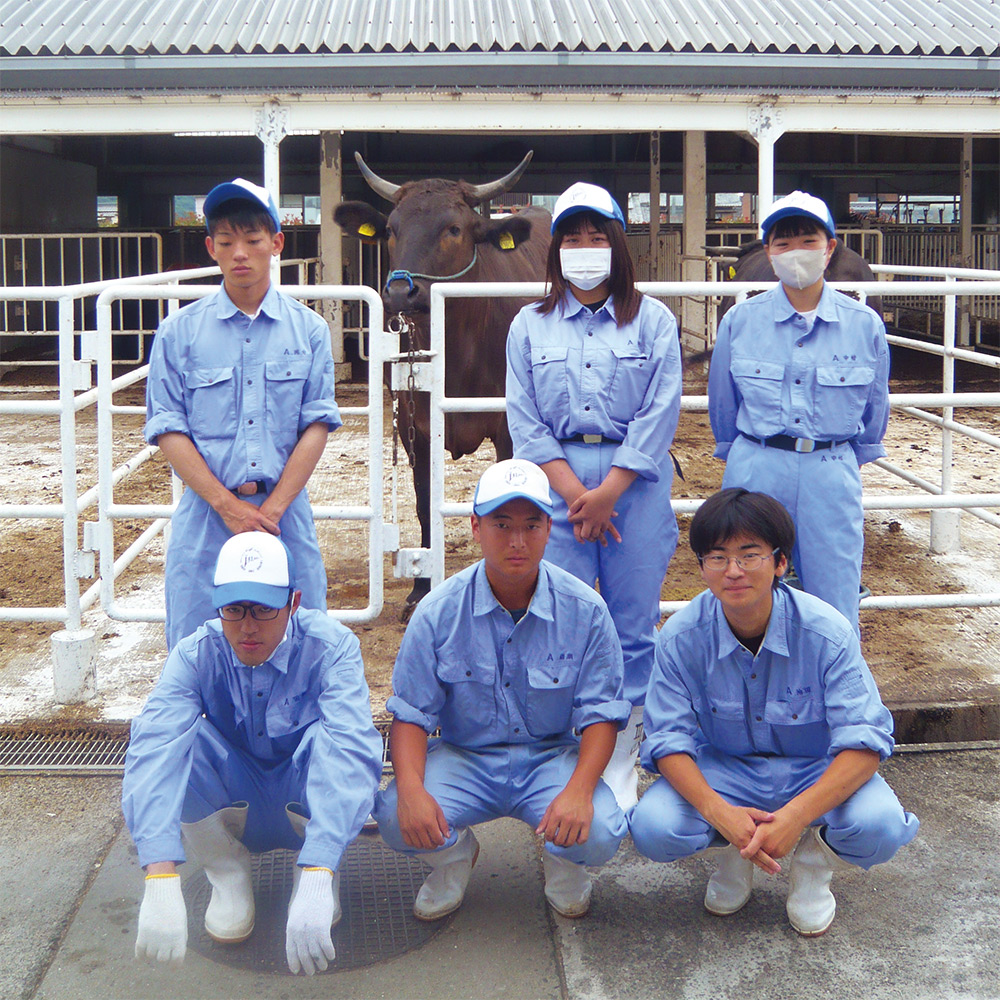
<point>801,204</point>
<point>253,566</point>
<point>583,197</point>
<point>241,190</point>
<point>512,479</point>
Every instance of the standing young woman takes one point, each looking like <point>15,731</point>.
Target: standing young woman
<point>593,396</point>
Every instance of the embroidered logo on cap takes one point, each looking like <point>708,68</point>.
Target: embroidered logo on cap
<point>251,561</point>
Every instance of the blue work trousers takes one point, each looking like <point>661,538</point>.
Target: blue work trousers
<point>519,780</point>
<point>196,535</point>
<point>630,572</point>
<point>222,774</point>
<point>822,492</point>
<point>866,829</point>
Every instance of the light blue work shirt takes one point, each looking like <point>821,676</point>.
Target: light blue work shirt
<point>464,665</point>
<point>243,390</point>
<point>315,675</point>
<point>807,693</point>
<point>773,374</point>
<point>576,372</point>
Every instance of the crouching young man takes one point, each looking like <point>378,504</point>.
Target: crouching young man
<point>519,665</point>
<point>257,736</point>
<point>765,723</point>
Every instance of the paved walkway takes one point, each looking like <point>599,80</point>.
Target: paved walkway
<point>923,927</point>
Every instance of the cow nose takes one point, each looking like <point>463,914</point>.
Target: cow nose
<point>402,295</point>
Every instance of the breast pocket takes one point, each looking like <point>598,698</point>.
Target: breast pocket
<point>550,379</point>
<point>799,726</point>
<point>550,698</point>
<point>211,402</point>
<point>633,370</point>
<point>841,394</point>
<point>724,722</point>
<point>471,698</point>
<point>285,382</point>
<point>759,383</point>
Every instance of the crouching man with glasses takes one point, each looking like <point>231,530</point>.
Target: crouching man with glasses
<point>257,736</point>
<point>766,726</point>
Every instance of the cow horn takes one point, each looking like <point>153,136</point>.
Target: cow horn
<point>376,183</point>
<point>484,192</point>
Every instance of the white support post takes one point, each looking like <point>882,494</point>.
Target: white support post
<point>74,666</point>
<point>694,315</point>
<point>764,123</point>
<point>945,523</point>
<point>271,125</point>
<point>331,193</point>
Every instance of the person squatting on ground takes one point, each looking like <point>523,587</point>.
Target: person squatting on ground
<point>798,398</point>
<point>766,726</point>
<point>240,399</point>
<point>593,397</point>
<point>258,735</point>
<point>518,663</point>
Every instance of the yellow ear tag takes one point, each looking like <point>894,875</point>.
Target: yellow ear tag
<point>732,272</point>
<point>366,229</point>
<point>506,241</point>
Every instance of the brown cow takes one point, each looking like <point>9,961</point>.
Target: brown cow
<point>434,233</point>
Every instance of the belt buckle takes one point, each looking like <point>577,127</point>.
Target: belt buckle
<point>592,438</point>
<point>804,445</point>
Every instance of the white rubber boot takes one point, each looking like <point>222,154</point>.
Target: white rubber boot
<point>444,889</point>
<point>620,775</point>
<point>567,886</point>
<point>215,839</point>
<point>295,812</point>
<point>731,883</point>
<point>810,905</point>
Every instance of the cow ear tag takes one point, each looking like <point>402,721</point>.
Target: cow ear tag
<point>506,241</point>
<point>732,272</point>
<point>366,229</point>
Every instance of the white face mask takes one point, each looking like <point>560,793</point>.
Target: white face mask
<point>585,267</point>
<point>799,268</point>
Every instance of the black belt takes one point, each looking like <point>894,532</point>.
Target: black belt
<point>260,487</point>
<point>788,443</point>
<point>589,439</point>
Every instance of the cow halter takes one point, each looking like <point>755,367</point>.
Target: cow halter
<point>408,276</point>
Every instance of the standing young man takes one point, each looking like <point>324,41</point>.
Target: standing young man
<point>240,399</point>
<point>258,735</point>
<point>798,397</point>
<point>766,726</point>
<point>519,664</point>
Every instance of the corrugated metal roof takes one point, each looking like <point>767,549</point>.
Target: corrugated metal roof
<point>890,27</point>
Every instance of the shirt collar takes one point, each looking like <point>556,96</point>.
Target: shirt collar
<point>571,306</point>
<point>826,309</point>
<point>775,638</point>
<point>269,304</point>
<point>485,601</point>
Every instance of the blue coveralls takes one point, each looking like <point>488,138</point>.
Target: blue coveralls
<point>764,728</point>
<point>510,700</point>
<point>296,729</point>
<point>574,372</point>
<point>243,391</point>
<point>773,374</point>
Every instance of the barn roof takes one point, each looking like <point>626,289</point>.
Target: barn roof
<point>123,27</point>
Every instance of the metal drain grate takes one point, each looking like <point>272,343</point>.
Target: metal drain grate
<point>76,754</point>
<point>377,890</point>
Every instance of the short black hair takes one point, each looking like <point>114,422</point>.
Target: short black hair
<point>241,214</point>
<point>795,225</point>
<point>735,511</point>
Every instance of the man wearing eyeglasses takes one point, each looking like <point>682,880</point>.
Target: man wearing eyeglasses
<point>765,725</point>
<point>257,736</point>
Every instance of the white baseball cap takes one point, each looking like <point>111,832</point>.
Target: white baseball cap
<point>253,566</point>
<point>583,197</point>
<point>239,189</point>
<point>799,203</point>
<point>510,480</point>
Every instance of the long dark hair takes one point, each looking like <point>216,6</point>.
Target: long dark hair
<point>621,284</point>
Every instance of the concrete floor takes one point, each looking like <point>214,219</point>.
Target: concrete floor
<point>926,926</point>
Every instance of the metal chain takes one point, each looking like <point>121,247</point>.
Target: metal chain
<point>398,324</point>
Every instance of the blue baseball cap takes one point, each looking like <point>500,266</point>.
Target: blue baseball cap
<point>243,190</point>
<point>253,566</point>
<point>799,203</point>
<point>509,480</point>
<point>583,197</point>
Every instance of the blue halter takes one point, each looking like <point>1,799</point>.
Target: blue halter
<point>408,276</point>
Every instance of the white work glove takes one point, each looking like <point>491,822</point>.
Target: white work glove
<point>163,927</point>
<point>308,944</point>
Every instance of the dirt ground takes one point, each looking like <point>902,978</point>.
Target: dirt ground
<point>915,655</point>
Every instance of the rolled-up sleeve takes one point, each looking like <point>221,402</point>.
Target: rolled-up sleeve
<point>723,396</point>
<point>158,760</point>
<point>346,762</point>
<point>669,719</point>
<point>417,694</point>
<point>855,715</point>
<point>600,694</point>
<point>318,403</point>
<point>867,444</point>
